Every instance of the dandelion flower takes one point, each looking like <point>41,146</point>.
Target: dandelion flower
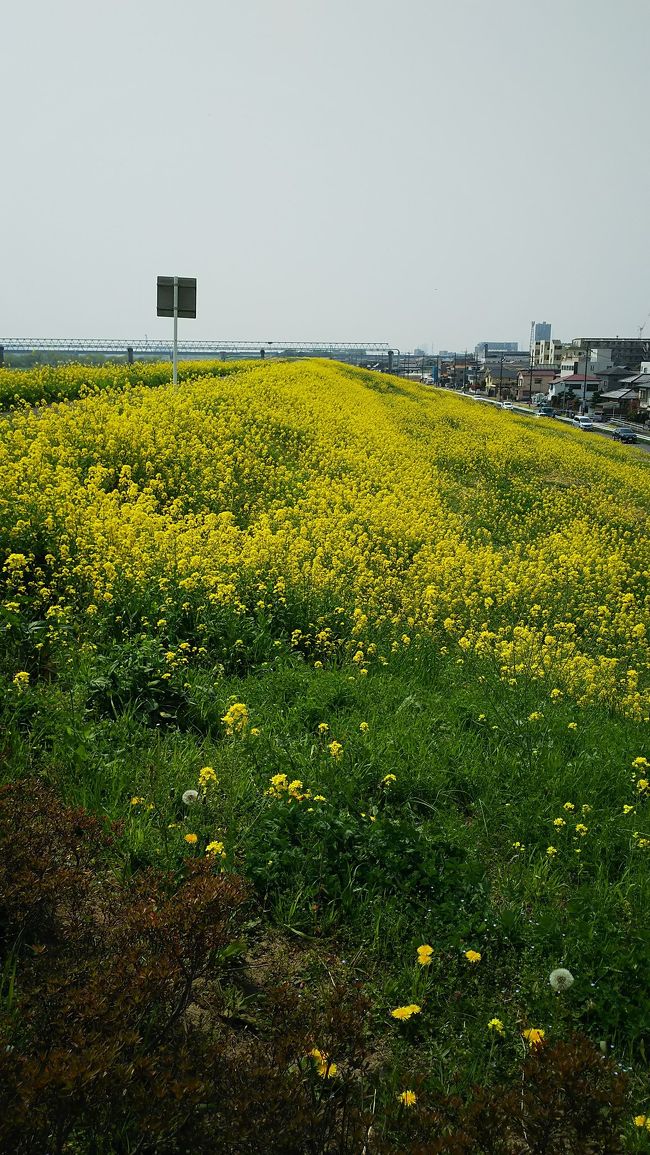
<point>190,797</point>
<point>408,1098</point>
<point>191,838</point>
<point>404,1013</point>
<point>561,979</point>
<point>424,955</point>
<point>640,1120</point>
<point>324,1068</point>
<point>473,956</point>
<point>497,1026</point>
<point>534,1036</point>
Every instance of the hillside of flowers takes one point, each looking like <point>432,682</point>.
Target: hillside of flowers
<point>44,384</point>
<point>325,705</point>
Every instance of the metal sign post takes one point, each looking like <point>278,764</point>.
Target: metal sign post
<point>175,353</point>
<point>176,297</point>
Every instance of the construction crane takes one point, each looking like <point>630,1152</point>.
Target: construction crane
<point>642,327</point>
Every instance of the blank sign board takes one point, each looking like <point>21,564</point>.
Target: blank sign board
<point>186,297</point>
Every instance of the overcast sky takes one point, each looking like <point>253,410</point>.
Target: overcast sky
<point>434,172</point>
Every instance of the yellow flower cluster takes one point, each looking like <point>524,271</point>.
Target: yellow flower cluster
<point>236,719</point>
<point>207,777</point>
<point>407,1012</point>
<point>417,510</point>
<point>281,787</point>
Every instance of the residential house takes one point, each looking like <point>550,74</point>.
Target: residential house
<point>573,389</point>
<point>500,380</point>
<point>642,386</point>
<point>623,402</point>
<point>612,378</point>
<point>539,381</point>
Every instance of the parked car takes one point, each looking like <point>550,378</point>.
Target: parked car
<point>583,423</point>
<point>628,436</point>
<point>545,411</point>
<point>507,405</point>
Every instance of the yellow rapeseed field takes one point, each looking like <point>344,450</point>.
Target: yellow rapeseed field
<point>402,509</point>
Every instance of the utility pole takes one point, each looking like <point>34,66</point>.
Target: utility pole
<point>501,377</point>
<point>584,381</point>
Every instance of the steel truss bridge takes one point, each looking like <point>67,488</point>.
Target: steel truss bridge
<point>359,352</point>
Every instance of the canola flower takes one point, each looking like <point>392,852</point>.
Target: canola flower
<point>335,749</point>
<point>207,777</point>
<point>497,1027</point>
<point>236,719</point>
<point>21,680</point>
<point>216,848</point>
<point>153,497</point>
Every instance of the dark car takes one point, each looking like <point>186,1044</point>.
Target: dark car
<point>628,436</point>
<point>545,411</point>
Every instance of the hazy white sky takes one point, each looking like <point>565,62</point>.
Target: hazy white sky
<point>414,171</point>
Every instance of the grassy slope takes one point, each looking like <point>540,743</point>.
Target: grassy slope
<point>386,516</point>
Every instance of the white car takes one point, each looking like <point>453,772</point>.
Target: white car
<point>582,422</point>
<point>507,405</point>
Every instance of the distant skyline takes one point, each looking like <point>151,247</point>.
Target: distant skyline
<point>408,171</point>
